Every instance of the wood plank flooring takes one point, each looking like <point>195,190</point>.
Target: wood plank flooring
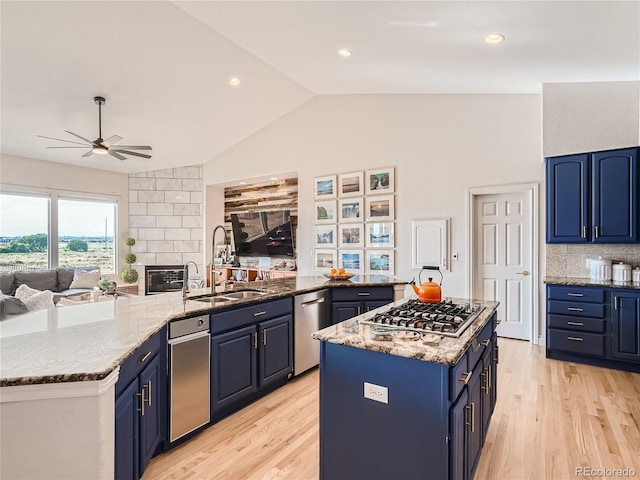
<point>551,418</point>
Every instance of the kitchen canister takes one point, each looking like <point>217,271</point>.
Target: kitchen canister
<point>635,275</point>
<point>621,272</point>
<point>600,269</point>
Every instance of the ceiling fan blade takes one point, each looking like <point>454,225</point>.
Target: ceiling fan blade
<point>71,147</point>
<point>61,140</point>
<point>127,152</point>
<point>132,147</point>
<point>117,155</point>
<point>81,138</point>
<point>88,154</point>
<point>111,140</point>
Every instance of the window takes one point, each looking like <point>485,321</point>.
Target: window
<point>38,231</point>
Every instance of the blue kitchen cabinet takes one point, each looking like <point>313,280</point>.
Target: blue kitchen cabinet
<point>276,354</point>
<point>626,326</point>
<point>127,436</point>
<point>349,302</point>
<point>593,197</point>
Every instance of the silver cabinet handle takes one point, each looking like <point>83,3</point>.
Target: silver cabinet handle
<point>524,272</point>
<point>472,407</point>
<point>575,309</point>
<point>149,386</point>
<point>466,378</point>
<point>257,314</point>
<point>576,324</point>
<point>575,295</point>
<point>144,357</point>
<point>616,303</point>
<point>584,231</point>
<point>363,294</point>
<point>264,338</point>
<point>575,339</point>
<point>597,231</point>
<point>255,339</point>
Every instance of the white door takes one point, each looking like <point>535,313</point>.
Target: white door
<point>502,265</point>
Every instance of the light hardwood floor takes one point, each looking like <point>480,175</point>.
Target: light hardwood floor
<point>551,417</point>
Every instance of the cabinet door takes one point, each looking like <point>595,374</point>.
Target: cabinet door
<point>485,386</point>
<point>457,446</point>
<point>233,366</point>
<point>151,411</point>
<point>494,371</point>
<point>568,216</point>
<point>373,304</point>
<point>474,444</point>
<point>615,196</point>
<point>276,349</point>
<point>341,311</point>
<point>626,326</point>
<point>127,434</point>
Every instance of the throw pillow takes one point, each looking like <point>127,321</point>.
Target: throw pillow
<point>83,279</point>
<point>35,299</point>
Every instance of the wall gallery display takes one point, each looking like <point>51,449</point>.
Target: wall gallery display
<point>351,210</point>
<point>351,260</point>
<point>324,260</point>
<point>379,262</point>
<point>379,235</point>
<point>379,181</point>
<point>325,187</point>
<point>325,236</point>
<point>351,236</point>
<point>326,212</point>
<point>380,208</point>
<point>350,184</point>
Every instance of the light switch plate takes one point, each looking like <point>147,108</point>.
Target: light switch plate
<point>376,392</point>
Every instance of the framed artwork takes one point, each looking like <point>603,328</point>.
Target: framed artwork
<point>326,212</point>
<point>351,236</point>
<point>351,260</point>
<point>380,208</point>
<point>324,260</point>
<point>379,235</point>
<point>325,236</point>
<point>351,210</point>
<point>379,262</point>
<point>324,187</point>
<point>350,184</point>
<point>379,181</point>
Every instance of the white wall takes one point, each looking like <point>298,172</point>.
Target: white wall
<point>440,145</point>
<point>583,117</point>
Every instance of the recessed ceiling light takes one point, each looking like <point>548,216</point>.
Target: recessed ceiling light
<point>494,38</point>
<point>242,183</point>
<point>345,53</point>
<point>234,82</point>
<point>274,178</point>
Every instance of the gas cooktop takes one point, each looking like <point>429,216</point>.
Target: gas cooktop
<point>445,318</point>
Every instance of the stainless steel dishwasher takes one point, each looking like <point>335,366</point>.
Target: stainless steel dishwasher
<point>189,375</point>
<point>311,314</point>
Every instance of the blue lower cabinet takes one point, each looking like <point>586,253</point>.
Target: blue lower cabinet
<point>152,411</point>
<point>457,445</point>
<point>341,311</point>
<point>349,302</point>
<point>626,326</point>
<point>276,352</point>
<point>127,430</point>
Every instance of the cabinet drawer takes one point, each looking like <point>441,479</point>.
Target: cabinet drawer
<point>576,294</point>
<point>458,377</point>
<point>242,316</point>
<point>577,309</point>
<point>595,325</point>
<point>583,343</point>
<point>140,358</point>
<point>361,294</point>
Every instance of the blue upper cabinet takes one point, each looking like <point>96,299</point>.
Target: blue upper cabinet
<point>593,197</point>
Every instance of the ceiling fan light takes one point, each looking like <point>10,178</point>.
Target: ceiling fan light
<point>100,150</point>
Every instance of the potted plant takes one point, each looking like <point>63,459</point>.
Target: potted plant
<point>130,275</point>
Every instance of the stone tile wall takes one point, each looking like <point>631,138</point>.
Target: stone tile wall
<point>571,260</point>
<point>165,215</point>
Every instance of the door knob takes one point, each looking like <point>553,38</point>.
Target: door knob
<point>524,272</point>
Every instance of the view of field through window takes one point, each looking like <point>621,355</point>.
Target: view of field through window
<point>86,232</point>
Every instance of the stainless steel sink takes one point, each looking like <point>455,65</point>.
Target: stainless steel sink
<point>214,300</point>
<point>243,294</point>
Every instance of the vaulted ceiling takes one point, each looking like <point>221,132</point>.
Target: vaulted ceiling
<point>164,67</point>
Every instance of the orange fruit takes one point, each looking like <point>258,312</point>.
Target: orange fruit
<point>333,271</point>
<point>341,271</point>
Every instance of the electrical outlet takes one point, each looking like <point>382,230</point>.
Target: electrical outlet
<point>376,392</point>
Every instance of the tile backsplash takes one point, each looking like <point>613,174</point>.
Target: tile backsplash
<point>571,260</point>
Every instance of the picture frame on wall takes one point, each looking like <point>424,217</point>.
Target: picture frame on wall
<point>351,184</point>
<point>351,260</point>
<point>380,235</point>
<point>324,260</point>
<point>351,210</point>
<point>325,236</point>
<point>351,235</point>
<point>325,212</point>
<point>380,262</point>
<point>324,187</point>
<point>380,208</point>
<point>379,181</point>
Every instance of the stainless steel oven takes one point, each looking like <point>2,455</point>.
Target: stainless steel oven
<point>163,278</point>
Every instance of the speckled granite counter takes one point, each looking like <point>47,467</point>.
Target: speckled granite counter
<point>431,348</point>
<point>89,341</point>
<point>587,282</point>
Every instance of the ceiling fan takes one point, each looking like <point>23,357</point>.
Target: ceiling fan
<point>100,146</point>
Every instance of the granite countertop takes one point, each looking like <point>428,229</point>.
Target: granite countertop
<point>431,348</point>
<point>587,282</point>
<point>88,341</point>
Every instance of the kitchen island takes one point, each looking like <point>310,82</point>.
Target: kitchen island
<point>59,369</point>
<point>400,405</point>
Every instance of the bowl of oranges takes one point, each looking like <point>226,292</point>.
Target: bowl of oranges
<point>338,274</point>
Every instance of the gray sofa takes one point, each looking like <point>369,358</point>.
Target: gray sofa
<point>56,280</point>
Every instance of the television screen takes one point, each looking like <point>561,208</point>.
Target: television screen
<point>262,234</point>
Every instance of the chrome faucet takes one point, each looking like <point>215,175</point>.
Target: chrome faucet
<point>185,279</point>
<point>213,255</point>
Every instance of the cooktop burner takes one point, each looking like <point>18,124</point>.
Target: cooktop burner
<point>444,318</point>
